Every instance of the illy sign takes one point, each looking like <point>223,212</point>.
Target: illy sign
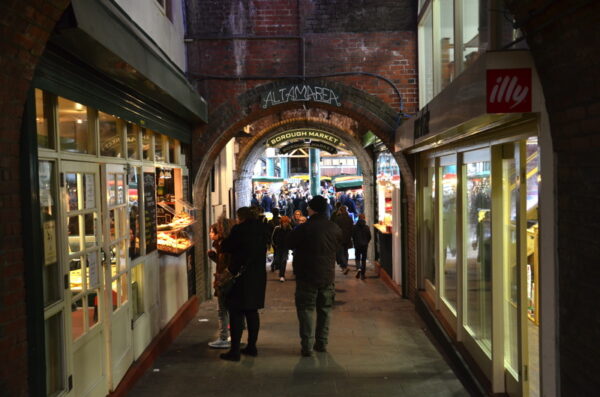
<point>509,90</point>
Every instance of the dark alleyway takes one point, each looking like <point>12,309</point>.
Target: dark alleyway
<point>377,348</point>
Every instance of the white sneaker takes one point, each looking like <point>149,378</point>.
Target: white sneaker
<point>282,279</point>
<point>220,344</point>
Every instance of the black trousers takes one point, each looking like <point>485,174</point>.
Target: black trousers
<point>360,255</point>
<point>236,321</point>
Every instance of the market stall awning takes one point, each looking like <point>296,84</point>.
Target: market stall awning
<point>348,182</point>
<point>266,179</point>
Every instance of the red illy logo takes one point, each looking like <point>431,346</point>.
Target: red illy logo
<point>508,90</point>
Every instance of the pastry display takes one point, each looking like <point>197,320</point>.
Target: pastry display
<point>171,237</point>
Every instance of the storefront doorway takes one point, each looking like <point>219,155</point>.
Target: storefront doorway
<point>86,297</point>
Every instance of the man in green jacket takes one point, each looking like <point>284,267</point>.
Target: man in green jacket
<point>315,244</point>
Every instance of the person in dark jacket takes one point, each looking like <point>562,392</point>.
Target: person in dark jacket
<point>315,244</point>
<point>361,236</point>
<point>266,202</point>
<point>280,245</point>
<point>247,244</point>
<point>254,201</point>
<point>345,223</point>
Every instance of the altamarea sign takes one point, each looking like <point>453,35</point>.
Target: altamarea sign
<point>303,134</point>
<point>313,144</point>
<point>300,93</point>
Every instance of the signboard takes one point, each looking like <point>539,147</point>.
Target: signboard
<point>508,90</point>
<point>92,263</point>
<point>304,134</point>
<point>300,93</point>
<point>150,210</point>
<point>300,144</point>
<point>49,231</point>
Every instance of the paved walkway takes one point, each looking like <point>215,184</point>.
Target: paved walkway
<point>377,348</point>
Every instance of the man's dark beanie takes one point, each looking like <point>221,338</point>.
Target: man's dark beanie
<point>318,204</point>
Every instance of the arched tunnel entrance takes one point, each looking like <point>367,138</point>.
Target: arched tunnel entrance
<point>250,123</point>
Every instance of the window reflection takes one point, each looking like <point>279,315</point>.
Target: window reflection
<point>475,34</point>
<point>49,223</point>
<point>44,117</point>
<point>478,252</point>
<point>132,142</point>
<point>446,42</point>
<point>53,331</point>
<point>73,126</point>
<point>158,148</point>
<point>448,210</point>
<point>110,135</point>
<point>428,236</point>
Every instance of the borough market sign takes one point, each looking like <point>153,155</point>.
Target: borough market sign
<point>290,147</point>
<point>300,93</point>
<point>303,134</point>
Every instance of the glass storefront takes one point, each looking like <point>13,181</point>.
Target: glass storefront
<point>98,199</point>
<point>448,233</point>
<point>485,225</point>
<point>477,247</point>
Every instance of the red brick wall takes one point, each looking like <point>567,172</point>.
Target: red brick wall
<point>341,36</point>
<point>564,39</point>
<point>24,27</point>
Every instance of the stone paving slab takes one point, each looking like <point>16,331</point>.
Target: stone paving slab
<point>377,348</point>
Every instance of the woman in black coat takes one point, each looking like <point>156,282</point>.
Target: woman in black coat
<point>248,245</point>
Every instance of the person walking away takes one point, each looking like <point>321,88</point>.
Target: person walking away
<point>247,244</point>
<point>345,223</point>
<point>218,232</point>
<point>266,202</point>
<point>315,244</point>
<point>280,244</point>
<point>361,236</point>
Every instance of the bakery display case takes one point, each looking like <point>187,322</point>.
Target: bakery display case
<point>174,233</point>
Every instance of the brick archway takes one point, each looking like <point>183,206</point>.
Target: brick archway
<point>369,112</point>
<point>251,151</point>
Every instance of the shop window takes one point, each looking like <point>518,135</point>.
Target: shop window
<point>133,184</point>
<point>137,291</point>
<point>174,151</point>
<point>449,280</point>
<point>49,223</point>
<point>74,131</point>
<point>428,226</point>
<point>55,371</point>
<point>110,135</point>
<point>299,165</point>
<point>446,42</point>
<point>147,144</point>
<point>475,31</point>
<point>426,59</point>
<point>44,119</point>
<point>159,144</point>
<point>510,195</point>
<point>477,250</point>
<point>133,151</point>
